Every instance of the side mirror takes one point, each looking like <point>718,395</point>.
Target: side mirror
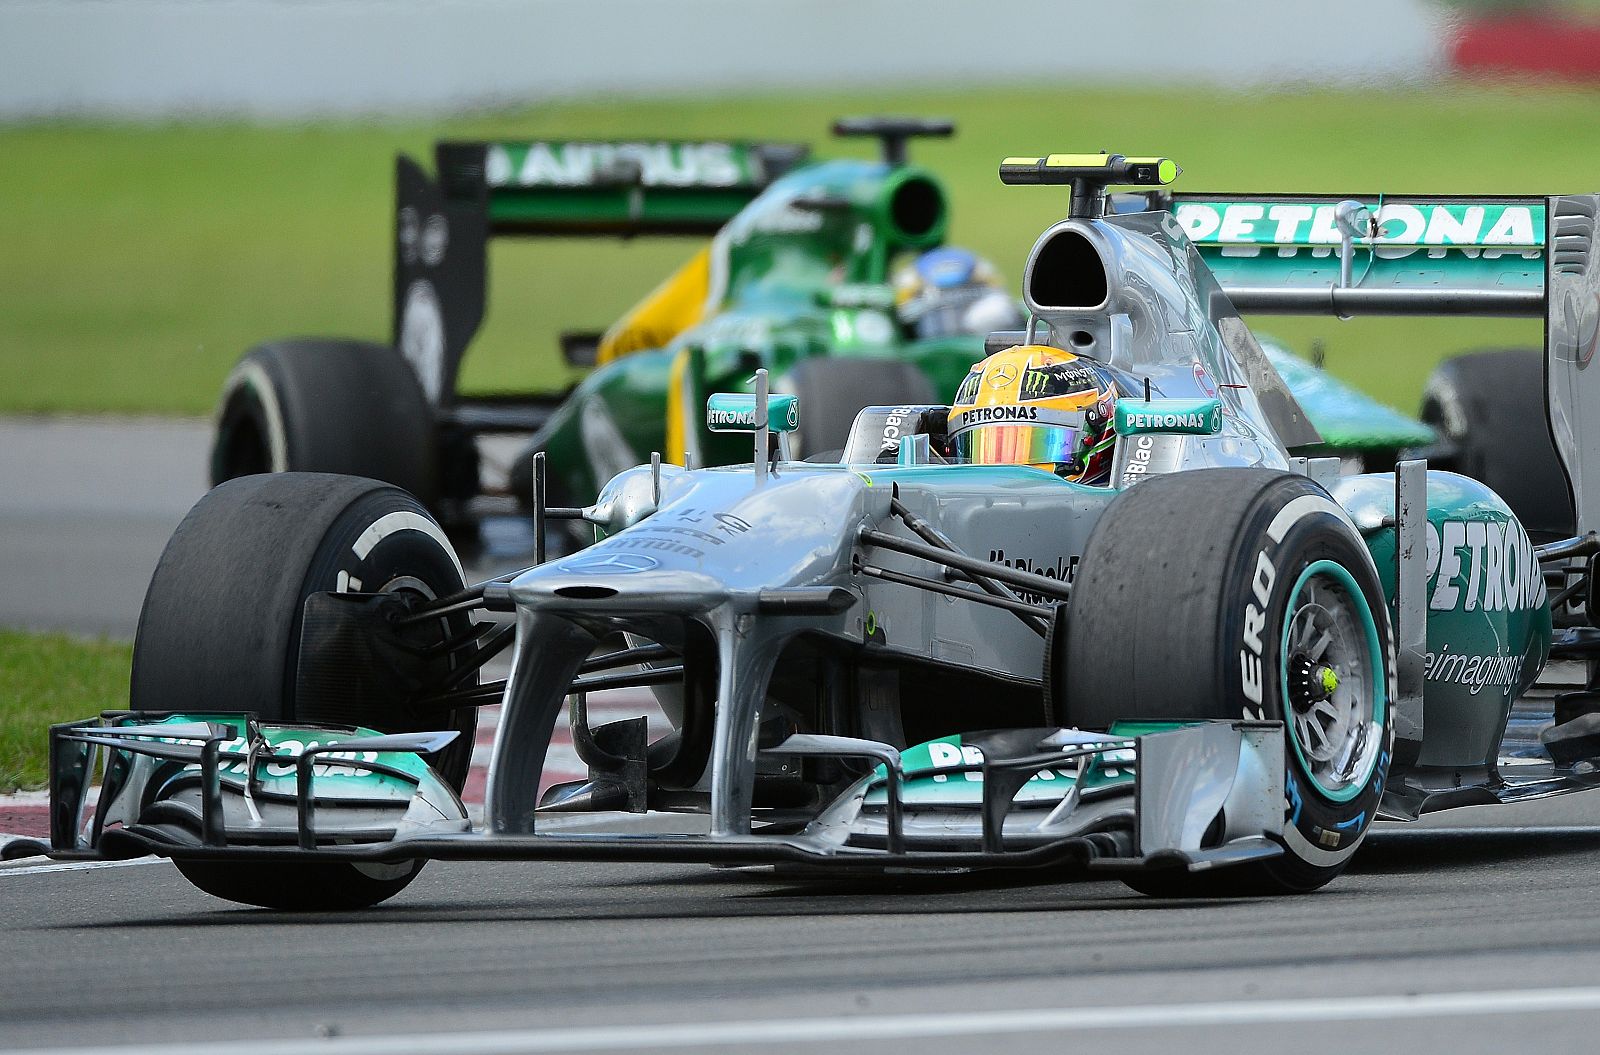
<point>581,349</point>
<point>736,412</point>
<point>765,416</point>
<point>1142,417</point>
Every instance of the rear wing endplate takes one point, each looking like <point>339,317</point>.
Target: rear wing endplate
<point>1426,255</point>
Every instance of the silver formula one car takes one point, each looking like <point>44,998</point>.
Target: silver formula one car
<point>1094,614</point>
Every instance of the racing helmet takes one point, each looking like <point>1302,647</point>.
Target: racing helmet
<point>1038,406</point>
<point>948,291</point>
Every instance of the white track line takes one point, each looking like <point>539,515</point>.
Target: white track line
<point>7,870</point>
<point>791,1031</point>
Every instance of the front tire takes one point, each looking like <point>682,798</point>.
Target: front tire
<point>1243,593</point>
<point>220,631</point>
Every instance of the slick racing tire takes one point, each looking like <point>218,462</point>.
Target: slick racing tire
<point>1242,593</point>
<point>1489,410</point>
<point>220,631</point>
<point>833,391</point>
<point>326,406</point>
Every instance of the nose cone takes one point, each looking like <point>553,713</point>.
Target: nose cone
<point>607,579</point>
<point>720,535</point>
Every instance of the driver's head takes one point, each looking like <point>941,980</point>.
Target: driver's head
<point>1037,406</point>
<point>949,291</point>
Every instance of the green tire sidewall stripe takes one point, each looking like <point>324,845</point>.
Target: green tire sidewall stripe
<point>1376,676</point>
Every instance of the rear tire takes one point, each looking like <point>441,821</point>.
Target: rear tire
<point>220,631</point>
<point>1242,593</point>
<point>326,406</point>
<point>1489,407</point>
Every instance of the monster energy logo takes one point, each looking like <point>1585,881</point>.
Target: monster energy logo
<point>1034,383</point>
<point>969,387</point>
<point>1059,379</point>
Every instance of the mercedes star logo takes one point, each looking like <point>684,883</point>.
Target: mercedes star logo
<point>615,563</point>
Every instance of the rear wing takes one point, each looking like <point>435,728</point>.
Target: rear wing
<point>1426,255</point>
<point>1376,254</point>
<point>618,188</point>
<point>582,188</point>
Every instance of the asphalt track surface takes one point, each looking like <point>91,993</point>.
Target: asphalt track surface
<point>86,506</point>
<point>572,957</point>
<point>1439,938</point>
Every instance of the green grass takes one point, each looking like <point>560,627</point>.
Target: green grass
<point>46,678</point>
<point>138,261</point>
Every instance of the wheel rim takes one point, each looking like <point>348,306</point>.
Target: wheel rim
<point>1332,678</point>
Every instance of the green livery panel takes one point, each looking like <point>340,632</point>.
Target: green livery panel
<point>936,773</point>
<point>736,412</point>
<point>1488,613</point>
<point>331,778</point>
<point>1199,417</point>
<point>802,272</point>
<point>928,781</point>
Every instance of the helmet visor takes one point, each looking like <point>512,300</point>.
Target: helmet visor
<point>1016,444</point>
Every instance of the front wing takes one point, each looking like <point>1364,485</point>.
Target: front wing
<point>1197,796</point>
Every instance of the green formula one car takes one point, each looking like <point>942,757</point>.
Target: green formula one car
<point>1093,613</point>
<point>830,275</point>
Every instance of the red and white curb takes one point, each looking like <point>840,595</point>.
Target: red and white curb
<point>561,762</point>
<point>26,815</point>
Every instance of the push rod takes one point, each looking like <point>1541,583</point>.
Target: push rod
<point>934,537</point>
<point>1581,546</point>
<point>1032,611</point>
<point>971,565</point>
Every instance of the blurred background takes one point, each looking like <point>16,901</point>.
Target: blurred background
<point>183,179</point>
<point>180,180</point>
